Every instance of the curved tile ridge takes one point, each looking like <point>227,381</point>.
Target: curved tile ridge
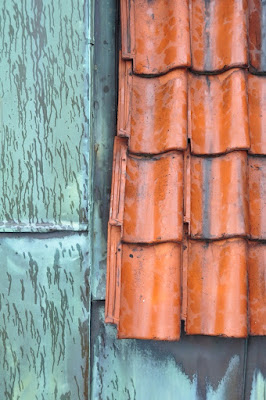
<point>152,111</point>
<point>218,112</point>
<point>155,34</point>
<point>257,35</point>
<point>150,292</point>
<point>257,287</point>
<point>217,288</point>
<point>154,199</point>
<point>219,196</point>
<point>218,31</point>
<point>257,113</point>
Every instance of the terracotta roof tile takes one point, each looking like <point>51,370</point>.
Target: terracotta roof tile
<point>219,201</point>
<point>257,34</point>
<point>154,199</point>
<point>217,288</point>
<point>257,113</point>
<point>159,113</point>
<point>149,274</point>
<point>257,197</point>
<point>155,34</point>
<point>257,288</point>
<point>187,226</point>
<point>219,113</point>
<point>218,34</point>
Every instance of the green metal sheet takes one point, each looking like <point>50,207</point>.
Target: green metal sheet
<point>44,114</point>
<point>196,368</point>
<point>44,317</point>
<point>104,129</point>
<point>256,369</point>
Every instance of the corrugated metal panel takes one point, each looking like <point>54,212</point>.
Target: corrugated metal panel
<point>44,317</point>
<point>44,89</point>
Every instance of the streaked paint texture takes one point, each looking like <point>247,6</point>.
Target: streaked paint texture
<point>44,112</point>
<point>44,317</point>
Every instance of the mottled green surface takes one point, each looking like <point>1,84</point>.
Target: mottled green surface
<point>196,368</point>
<point>44,114</point>
<point>104,130</point>
<point>44,317</point>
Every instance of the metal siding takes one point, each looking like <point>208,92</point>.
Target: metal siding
<point>104,129</point>
<point>196,368</point>
<point>44,100</point>
<point>44,317</point>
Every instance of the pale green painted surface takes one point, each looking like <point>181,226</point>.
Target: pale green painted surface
<point>258,391</point>
<point>44,318</point>
<point>44,114</point>
<point>196,368</point>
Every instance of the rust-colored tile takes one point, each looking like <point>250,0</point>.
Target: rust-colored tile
<point>257,34</point>
<point>219,112</point>
<point>257,113</point>
<point>118,181</point>
<point>113,276</point>
<point>124,98</point>
<point>150,292</point>
<point>154,199</point>
<point>219,196</point>
<point>217,288</point>
<point>158,39</point>
<point>257,288</point>
<point>159,113</point>
<point>257,197</point>
<point>218,34</point>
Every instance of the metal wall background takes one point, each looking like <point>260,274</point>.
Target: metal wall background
<point>197,367</point>
<point>46,50</point>
<point>46,172</point>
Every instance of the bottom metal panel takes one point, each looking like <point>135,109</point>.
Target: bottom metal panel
<point>44,317</point>
<point>256,369</point>
<point>195,368</point>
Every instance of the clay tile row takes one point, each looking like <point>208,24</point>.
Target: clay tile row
<point>225,290</point>
<point>157,34</point>
<point>147,196</point>
<point>228,196</point>
<point>220,113</point>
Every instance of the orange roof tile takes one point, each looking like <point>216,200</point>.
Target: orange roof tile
<point>257,288</point>
<point>257,35</point>
<point>155,34</point>
<point>219,187</point>
<point>257,113</point>
<point>217,288</point>
<point>154,199</point>
<point>187,226</point>
<point>218,109</point>
<point>149,275</point>
<point>218,34</point>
